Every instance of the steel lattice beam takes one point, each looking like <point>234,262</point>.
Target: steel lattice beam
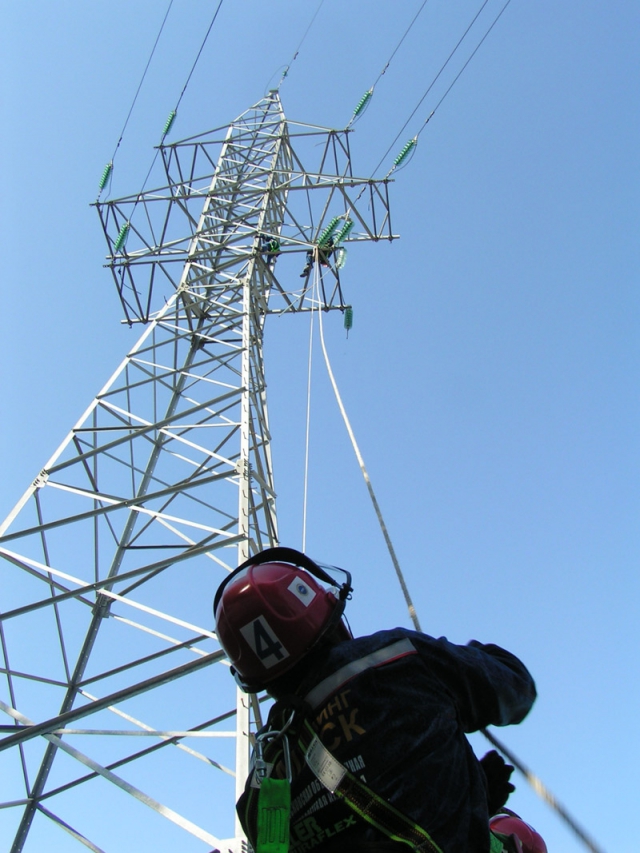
<point>110,559</point>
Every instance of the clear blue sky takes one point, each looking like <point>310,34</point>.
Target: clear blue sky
<point>491,375</point>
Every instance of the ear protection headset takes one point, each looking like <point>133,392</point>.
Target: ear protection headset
<point>296,558</point>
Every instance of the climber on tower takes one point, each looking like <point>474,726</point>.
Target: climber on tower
<point>323,252</point>
<point>370,731</point>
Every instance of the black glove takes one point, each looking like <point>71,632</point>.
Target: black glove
<point>497,773</point>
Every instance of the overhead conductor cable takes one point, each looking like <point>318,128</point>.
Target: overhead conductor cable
<point>363,103</point>
<point>409,148</point>
<point>172,115</point>
<point>108,169</point>
<point>436,78</point>
<point>287,68</point>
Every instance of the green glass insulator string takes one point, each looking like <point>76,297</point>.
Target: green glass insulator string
<point>121,239</point>
<point>329,231</point>
<point>169,123</point>
<point>344,232</point>
<point>365,100</point>
<point>407,150</point>
<point>106,175</point>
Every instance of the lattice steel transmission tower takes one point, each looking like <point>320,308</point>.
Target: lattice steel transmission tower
<point>119,709</point>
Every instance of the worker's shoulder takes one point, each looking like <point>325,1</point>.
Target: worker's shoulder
<point>388,644</point>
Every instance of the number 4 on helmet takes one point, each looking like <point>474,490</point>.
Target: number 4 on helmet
<point>272,610</point>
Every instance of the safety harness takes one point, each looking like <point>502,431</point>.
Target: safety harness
<point>272,757</point>
<point>270,797</point>
<point>360,798</point>
<point>290,720</point>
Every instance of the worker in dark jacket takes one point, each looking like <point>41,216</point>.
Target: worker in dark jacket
<point>391,710</point>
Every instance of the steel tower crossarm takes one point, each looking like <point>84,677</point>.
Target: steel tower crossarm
<point>111,558</point>
<point>178,237</point>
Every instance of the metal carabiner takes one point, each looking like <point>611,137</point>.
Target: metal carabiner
<point>261,767</point>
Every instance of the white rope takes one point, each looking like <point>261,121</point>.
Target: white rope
<point>306,446</point>
<point>534,781</point>
<point>374,501</point>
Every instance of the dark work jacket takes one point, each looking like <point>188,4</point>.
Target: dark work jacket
<point>393,708</point>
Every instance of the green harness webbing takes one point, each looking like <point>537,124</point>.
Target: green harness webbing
<point>274,811</point>
<point>364,802</point>
<point>274,803</point>
<point>496,844</point>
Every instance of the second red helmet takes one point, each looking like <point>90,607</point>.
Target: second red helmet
<point>508,824</point>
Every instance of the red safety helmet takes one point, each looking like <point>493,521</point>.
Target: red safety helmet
<point>271,611</point>
<point>510,824</point>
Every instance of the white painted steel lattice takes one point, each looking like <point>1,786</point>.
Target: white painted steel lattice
<point>118,706</point>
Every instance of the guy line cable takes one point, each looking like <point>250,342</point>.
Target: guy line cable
<point>533,780</point>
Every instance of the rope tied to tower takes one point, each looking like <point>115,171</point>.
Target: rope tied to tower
<point>540,789</point>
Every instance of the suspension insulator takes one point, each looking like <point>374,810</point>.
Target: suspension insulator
<point>408,148</point>
<point>106,174</point>
<point>348,317</point>
<point>363,103</point>
<point>344,232</point>
<point>327,234</point>
<point>121,239</point>
<point>341,257</point>
<point>169,122</point>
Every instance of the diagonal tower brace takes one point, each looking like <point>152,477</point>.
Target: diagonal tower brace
<point>110,559</point>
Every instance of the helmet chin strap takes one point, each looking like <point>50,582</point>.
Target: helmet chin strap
<point>245,685</point>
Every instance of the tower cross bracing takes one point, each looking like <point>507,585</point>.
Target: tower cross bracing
<point>116,695</point>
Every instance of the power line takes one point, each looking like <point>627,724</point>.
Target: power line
<point>410,146</point>
<point>369,93</point>
<point>455,79</point>
<point>109,167</point>
<point>173,114</point>
<point>285,73</point>
<point>434,81</point>
<point>406,33</point>
<point>195,61</point>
